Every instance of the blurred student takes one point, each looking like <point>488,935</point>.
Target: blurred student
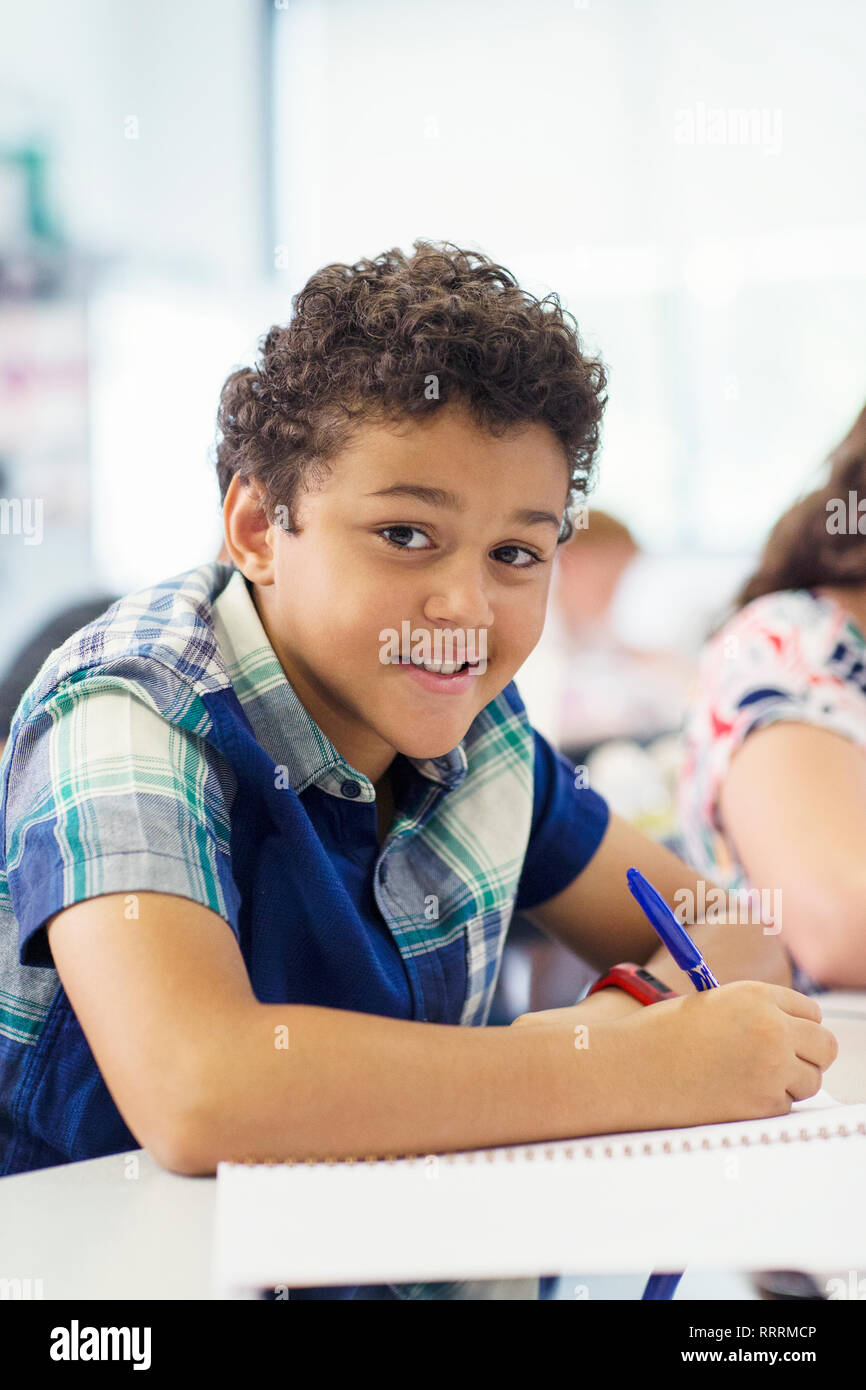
<point>773,783</point>
<point>622,637</point>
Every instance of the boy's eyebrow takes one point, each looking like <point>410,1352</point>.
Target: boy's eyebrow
<point>440,497</point>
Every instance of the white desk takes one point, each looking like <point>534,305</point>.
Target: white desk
<point>94,1230</point>
<point>89,1231</point>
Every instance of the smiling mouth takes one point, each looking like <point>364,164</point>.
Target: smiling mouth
<point>444,675</point>
<point>444,668</point>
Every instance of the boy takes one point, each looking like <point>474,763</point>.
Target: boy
<point>258,868</point>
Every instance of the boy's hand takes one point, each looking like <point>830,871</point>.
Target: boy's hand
<point>743,1051</point>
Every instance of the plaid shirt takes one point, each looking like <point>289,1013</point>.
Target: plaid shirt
<point>162,748</point>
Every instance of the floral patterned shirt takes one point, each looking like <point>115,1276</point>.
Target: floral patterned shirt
<point>793,655</point>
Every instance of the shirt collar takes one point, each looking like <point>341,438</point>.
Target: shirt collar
<point>280,721</point>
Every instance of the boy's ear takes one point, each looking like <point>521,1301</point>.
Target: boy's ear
<point>249,535</point>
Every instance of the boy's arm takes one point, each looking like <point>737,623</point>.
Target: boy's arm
<point>597,917</point>
<point>201,1070</point>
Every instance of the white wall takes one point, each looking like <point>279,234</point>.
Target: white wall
<point>724,283</point>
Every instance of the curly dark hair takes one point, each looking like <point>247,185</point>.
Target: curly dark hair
<point>364,340</point>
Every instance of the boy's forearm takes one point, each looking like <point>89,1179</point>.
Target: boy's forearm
<point>338,1084</point>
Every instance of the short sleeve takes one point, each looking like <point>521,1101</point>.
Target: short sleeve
<point>568,825</point>
<point>103,795</point>
<point>788,656</point>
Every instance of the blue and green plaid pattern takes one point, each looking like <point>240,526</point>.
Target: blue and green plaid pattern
<point>142,757</point>
<point>120,712</point>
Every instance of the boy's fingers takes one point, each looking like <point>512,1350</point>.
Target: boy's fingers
<point>814,1043</point>
<point>793,1002</point>
<point>806,1083</point>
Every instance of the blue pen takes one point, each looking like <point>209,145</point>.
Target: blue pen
<point>674,936</point>
<point>689,959</point>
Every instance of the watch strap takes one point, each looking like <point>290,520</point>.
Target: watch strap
<point>637,981</point>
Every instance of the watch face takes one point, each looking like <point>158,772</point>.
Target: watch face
<point>633,979</point>
<point>651,980</point>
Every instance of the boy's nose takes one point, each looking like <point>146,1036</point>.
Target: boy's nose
<point>463,610</point>
<point>464,605</point>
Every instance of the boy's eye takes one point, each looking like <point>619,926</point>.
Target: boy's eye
<point>400,536</point>
<point>402,532</point>
<point>510,550</point>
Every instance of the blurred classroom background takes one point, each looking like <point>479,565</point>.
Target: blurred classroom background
<point>687,178</point>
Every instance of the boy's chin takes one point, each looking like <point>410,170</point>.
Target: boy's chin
<point>423,745</point>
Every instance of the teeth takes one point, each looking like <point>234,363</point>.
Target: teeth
<point>444,668</point>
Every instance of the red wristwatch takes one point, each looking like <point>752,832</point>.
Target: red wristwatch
<point>636,981</point>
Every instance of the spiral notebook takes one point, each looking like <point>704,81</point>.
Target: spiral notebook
<point>782,1193</point>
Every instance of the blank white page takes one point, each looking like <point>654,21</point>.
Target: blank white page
<point>784,1193</point>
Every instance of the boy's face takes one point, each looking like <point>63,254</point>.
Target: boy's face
<point>380,563</point>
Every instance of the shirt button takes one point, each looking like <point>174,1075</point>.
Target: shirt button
<point>351,788</point>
